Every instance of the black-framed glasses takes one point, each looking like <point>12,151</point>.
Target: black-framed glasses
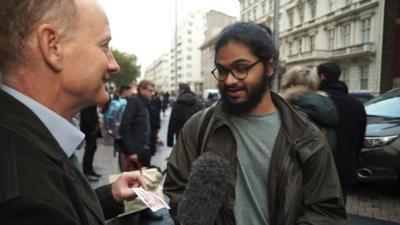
<point>240,72</point>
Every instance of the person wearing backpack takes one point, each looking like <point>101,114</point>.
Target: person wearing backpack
<point>281,168</point>
<point>113,116</point>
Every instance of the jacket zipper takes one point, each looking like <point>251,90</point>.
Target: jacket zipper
<point>287,169</point>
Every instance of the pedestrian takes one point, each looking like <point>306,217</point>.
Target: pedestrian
<point>183,108</point>
<point>155,121</point>
<point>89,125</point>
<point>350,130</point>
<point>54,61</point>
<point>136,132</point>
<point>113,116</point>
<point>299,86</point>
<point>281,168</point>
<point>165,102</point>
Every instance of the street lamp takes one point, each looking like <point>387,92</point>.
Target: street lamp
<point>176,46</point>
<point>276,37</point>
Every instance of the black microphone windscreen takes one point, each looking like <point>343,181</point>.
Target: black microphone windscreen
<point>205,191</point>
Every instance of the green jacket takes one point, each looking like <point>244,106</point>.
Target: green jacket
<point>303,185</point>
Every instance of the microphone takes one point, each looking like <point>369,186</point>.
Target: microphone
<point>206,190</point>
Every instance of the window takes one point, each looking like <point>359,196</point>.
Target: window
<point>365,30</point>
<point>255,13</point>
<point>263,6</point>
<point>345,75</point>
<point>346,34</point>
<point>332,5</point>
<point>313,9</point>
<point>364,77</point>
<point>290,17</point>
<point>331,39</point>
<point>290,48</point>
<point>312,42</point>
<point>271,5</point>
<point>189,57</point>
<point>347,2</point>
<point>300,9</point>
<point>300,46</point>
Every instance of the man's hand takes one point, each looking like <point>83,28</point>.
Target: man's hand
<point>159,142</point>
<point>122,188</point>
<point>133,157</point>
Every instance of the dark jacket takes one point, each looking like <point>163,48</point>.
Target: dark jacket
<point>89,120</point>
<point>186,105</point>
<point>350,130</point>
<point>155,110</point>
<point>135,126</point>
<point>303,185</point>
<point>39,184</point>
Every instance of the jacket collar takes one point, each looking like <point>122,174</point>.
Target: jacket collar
<point>15,112</point>
<point>333,85</point>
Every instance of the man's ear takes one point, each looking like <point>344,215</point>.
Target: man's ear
<point>49,45</point>
<point>269,68</point>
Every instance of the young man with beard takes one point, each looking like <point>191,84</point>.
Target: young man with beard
<point>281,168</point>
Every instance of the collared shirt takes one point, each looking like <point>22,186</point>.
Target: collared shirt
<point>67,136</point>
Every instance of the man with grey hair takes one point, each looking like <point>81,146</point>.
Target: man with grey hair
<point>54,61</point>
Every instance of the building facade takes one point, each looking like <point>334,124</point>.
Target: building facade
<point>311,32</point>
<point>190,37</point>
<point>158,72</point>
<point>216,21</point>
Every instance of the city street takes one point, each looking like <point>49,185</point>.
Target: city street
<point>367,205</point>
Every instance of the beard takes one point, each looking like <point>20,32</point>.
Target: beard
<point>255,94</point>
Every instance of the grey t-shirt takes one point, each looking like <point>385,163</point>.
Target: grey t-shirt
<point>255,137</point>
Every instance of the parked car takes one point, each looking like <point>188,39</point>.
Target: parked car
<point>380,157</point>
<point>362,96</point>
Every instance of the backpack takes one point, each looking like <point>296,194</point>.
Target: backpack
<point>113,116</point>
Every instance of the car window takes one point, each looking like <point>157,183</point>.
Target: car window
<point>386,105</point>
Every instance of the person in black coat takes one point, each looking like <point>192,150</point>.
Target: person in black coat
<point>136,127</point>
<point>136,133</point>
<point>89,124</point>
<point>165,102</point>
<point>155,110</point>
<point>350,130</point>
<point>185,106</point>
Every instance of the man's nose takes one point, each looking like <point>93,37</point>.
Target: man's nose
<point>230,78</point>
<point>113,66</point>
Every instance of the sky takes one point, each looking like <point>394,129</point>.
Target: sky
<point>146,27</point>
